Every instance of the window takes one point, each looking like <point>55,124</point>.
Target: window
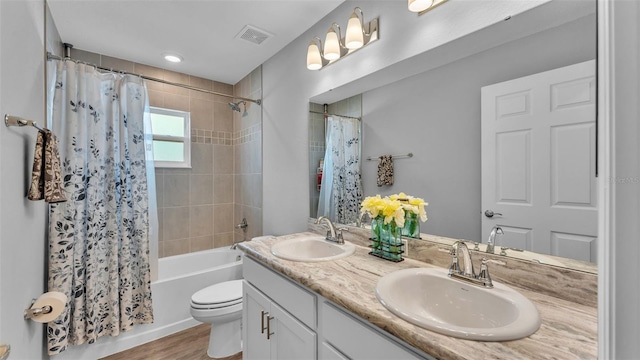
<point>171,138</point>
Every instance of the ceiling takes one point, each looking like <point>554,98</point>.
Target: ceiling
<point>203,32</point>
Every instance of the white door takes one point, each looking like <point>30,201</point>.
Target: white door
<point>538,162</point>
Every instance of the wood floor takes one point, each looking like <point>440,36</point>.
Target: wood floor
<point>190,344</point>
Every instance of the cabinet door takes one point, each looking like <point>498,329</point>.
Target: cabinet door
<point>291,339</point>
<point>327,352</point>
<point>255,310</point>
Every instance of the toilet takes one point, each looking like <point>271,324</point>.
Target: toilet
<point>221,306</point>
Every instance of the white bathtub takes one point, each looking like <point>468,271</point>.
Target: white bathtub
<point>178,278</point>
<point>181,276</point>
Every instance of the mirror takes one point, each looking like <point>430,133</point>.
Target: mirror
<point>436,115</point>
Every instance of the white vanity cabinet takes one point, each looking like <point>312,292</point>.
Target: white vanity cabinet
<point>284,320</point>
<point>278,317</point>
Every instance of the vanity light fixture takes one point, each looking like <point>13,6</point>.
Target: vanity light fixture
<point>335,46</point>
<point>422,6</point>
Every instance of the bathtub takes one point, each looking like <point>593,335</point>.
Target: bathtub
<point>179,277</point>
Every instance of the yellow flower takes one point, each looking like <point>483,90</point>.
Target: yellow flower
<point>393,207</point>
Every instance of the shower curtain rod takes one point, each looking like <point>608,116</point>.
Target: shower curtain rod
<point>51,56</point>
<point>344,116</point>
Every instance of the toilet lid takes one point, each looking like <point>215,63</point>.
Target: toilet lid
<point>225,292</point>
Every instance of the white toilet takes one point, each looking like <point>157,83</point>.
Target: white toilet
<point>221,306</point>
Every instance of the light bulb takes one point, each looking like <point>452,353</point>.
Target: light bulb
<point>354,38</point>
<point>419,5</point>
<point>314,61</point>
<point>331,46</point>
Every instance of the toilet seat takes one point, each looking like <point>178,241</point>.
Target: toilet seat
<point>218,296</point>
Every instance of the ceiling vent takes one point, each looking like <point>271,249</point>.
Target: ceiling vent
<point>253,35</point>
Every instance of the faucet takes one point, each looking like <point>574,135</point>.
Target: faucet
<point>491,243</point>
<point>332,234</point>
<point>456,248</point>
<point>360,221</point>
<point>468,275</point>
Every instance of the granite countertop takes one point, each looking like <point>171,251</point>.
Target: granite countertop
<point>568,330</point>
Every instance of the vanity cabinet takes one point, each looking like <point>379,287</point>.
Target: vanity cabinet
<point>272,333</point>
<point>348,337</point>
<point>278,317</point>
<point>284,320</point>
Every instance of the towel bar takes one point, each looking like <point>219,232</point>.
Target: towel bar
<point>16,121</point>
<point>394,156</point>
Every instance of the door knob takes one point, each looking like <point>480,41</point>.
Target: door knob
<point>490,213</point>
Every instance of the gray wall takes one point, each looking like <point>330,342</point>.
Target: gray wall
<point>436,116</point>
<point>22,222</point>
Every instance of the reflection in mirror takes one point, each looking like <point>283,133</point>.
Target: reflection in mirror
<point>437,115</point>
<point>335,160</point>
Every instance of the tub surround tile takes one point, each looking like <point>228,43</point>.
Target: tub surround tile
<point>201,243</point>
<point>223,215</point>
<point>175,223</point>
<point>201,220</point>
<point>201,158</point>
<point>201,190</point>
<point>116,64</point>
<point>176,190</point>
<point>568,330</point>
<point>176,247</point>
<point>223,159</point>
<point>223,189</point>
<point>223,240</point>
<point>201,114</point>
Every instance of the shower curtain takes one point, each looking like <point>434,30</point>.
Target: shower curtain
<point>99,238</point>
<point>341,188</point>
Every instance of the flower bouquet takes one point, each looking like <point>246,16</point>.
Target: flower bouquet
<point>390,216</point>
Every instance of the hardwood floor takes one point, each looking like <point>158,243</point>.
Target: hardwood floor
<point>190,344</point>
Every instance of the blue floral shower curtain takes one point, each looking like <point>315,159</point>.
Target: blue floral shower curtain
<point>341,188</point>
<point>99,238</point>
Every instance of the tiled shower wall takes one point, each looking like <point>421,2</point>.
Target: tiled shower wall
<point>248,157</point>
<point>195,206</point>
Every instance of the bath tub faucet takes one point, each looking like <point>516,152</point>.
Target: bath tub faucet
<point>332,234</point>
<point>491,243</point>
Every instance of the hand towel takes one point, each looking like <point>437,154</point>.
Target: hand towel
<point>385,170</point>
<point>46,181</point>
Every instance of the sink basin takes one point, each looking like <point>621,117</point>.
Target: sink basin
<point>430,299</point>
<point>311,248</point>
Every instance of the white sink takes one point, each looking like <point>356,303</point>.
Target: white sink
<point>311,248</point>
<point>430,299</point>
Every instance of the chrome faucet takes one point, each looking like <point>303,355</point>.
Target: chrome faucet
<point>360,221</point>
<point>456,248</point>
<point>468,275</point>
<point>491,243</point>
<point>332,234</point>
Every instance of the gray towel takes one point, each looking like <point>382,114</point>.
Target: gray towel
<point>46,181</point>
<point>385,170</point>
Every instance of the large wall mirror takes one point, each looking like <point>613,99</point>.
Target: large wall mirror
<point>463,164</point>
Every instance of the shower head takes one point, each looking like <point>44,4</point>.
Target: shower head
<point>236,106</point>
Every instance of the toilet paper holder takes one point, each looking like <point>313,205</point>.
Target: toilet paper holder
<point>47,307</point>
<point>31,312</point>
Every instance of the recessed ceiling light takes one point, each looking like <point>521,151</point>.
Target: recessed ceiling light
<point>173,58</point>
